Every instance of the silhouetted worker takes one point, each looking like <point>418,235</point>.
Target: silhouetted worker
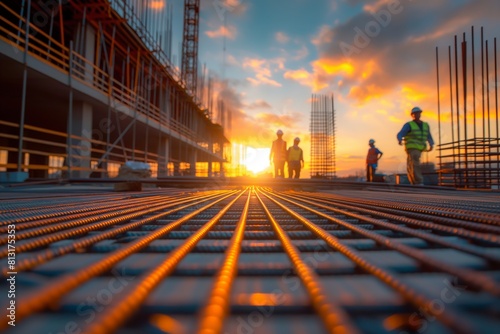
<point>372,158</point>
<point>295,159</point>
<point>278,155</point>
<point>416,134</point>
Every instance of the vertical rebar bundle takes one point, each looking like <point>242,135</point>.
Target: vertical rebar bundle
<point>472,158</point>
<point>322,129</point>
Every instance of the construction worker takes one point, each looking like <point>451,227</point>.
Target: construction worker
<point>295,159</point>
<point>415,134</point>
<point>278,155</point>
<point>372,158</point>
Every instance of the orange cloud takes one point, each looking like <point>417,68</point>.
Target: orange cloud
<point>283,121</point>
<point>305,78</point>
<point>157,4</point>
<point>229,32</point>
<point>324,71</point>
<point>262,69</point>
<point>333,67</point>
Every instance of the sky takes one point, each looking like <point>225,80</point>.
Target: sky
<point>378,59</point>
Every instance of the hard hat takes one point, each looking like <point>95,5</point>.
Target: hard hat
<point>279,132</point>
<point>297,139</point>
<point>416,109</point>
<point>371,141</point>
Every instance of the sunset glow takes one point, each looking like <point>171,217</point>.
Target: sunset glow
<point>257,159</point>
<point>267,70</point>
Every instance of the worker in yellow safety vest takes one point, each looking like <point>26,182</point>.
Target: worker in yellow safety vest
<point>295,159</point>
<point>415,134</point>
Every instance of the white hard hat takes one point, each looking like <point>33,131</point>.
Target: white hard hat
<point>279,132</point>
<point>296,139</point>
<point>371,141</point>
<point>415,109</point>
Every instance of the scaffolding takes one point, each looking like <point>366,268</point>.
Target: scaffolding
<point>471,159</point>
<point>322,129</point>
<point>190,45</point>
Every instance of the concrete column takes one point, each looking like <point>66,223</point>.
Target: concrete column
<point>210,160</point>
<point>222,155</point>
<point>221,168</point>
<point>163,156</point>
<point>192,162</point>
<point>81,147</point>
<point>177,167</point>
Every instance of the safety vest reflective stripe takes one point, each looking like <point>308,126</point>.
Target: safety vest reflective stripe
<point>416,138</point>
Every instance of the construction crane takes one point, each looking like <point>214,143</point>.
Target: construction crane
<point>189,68</point>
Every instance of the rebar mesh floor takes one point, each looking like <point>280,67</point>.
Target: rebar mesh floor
<point>251,260</point>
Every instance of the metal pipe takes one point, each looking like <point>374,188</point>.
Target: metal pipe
<point>25,84</point>
<point>83,34</point>
<point>451,113</point>
<point>111,75</point>
<point>457,100</point>
<point>474,104</point>
<point>464,86</point>
<point>61,22</point>
<point>496,113</point>
<point>488,89</point>
<point>439,114</point>
<point>149,84</point>
<point>23,3</point>
<point>482,82</point>
<point>496,87</point>
<point>483,102</point>
<point>51,25</point>
<point>488,142</point>
<point>70,109</point>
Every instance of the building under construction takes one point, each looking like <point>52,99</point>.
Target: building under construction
<point>322,128</point>
<point>89,85</point>
<point>84,89</point>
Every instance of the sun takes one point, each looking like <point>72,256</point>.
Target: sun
<point>257,159</point>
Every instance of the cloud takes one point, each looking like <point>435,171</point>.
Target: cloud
<point>323,71</point>
<point>157,4</point>
<point>387,45</point>
<point>281,37</point>
<point>231,60</point>
<point>259,104</point>
<point>324,36</point>
<point>305,78</point>
<point>223,31</point>
<point>223,8</point>
<point>263,70</point>
<point>301,53</point>
<point>287,121</point>
<point>235,7</point>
